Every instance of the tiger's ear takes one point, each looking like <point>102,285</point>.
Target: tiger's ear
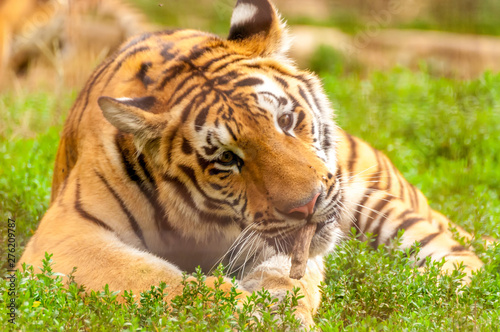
<point>131,115</point>
<point>256,26</point>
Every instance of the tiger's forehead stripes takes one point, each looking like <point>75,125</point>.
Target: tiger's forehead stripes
<point>254,101</point>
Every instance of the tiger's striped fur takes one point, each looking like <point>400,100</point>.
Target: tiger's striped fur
<point>185,150</point>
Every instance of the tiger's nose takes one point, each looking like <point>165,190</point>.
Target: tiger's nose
<point>304,211</point>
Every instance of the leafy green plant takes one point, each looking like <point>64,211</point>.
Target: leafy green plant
<point>45,301</point>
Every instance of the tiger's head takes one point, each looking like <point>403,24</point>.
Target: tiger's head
<point>238,139</point>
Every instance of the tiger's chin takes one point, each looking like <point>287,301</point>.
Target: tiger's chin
<point>328,235</point>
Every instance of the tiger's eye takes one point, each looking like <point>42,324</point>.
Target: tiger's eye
<point>227,157</point>
<point>285,121</point>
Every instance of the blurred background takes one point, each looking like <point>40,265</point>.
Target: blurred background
<point>59,42</point>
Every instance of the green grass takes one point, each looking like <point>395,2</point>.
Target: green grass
<point>29,137</point>
<point>442,134</point>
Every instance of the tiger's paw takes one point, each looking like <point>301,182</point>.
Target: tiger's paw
<point>280,304</point>
<point>302,295</point>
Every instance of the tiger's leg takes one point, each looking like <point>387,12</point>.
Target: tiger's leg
<point>273,275</point>
<point>443,223</point>
<point>379,200</point>
<point>396,215</point>
<point>102,258</point>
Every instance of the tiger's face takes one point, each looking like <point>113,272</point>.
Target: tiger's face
<point>239,143</point>
<point>257,153</point>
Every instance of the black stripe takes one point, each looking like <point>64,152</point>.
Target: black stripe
<point>145,36</point>
<point>303,95</point>
<point>196,52</point>
<point>249,82</point>
<point>186,147</point>
<point>357,214</point>
<point>122,60</point>
<point>90,86</point>
<point>129,168</point>
<point>326,144</point>
<point>144,103</point>
<point>336,196</point>
<point>212,206</point>
<point>207,64</point>
<point>399,180</point>
<point>84,214</point>
<point>167,55</point>
<point>170,140</point>
<point>423,260</point>
<point>226,64</point>
<point>387,173</point>
<point>231,133</point>
<point>210,150</point>
<point>151,195</point>
<point>377,209</point>
<point>414,197</point>
<point>201,118</point>
<point>332,186</point>
<point>352,156</point>
<point>131,219</point>
<point>406,224</point>
<point>244,207</point>
<point>202,162</point>
<point>222,80</point>
<point>377,232</point>
<point>309,86</point>
<point>215,186</point>
<point>182,190</point>
<point>142,74</point>
<point>173,72</point>
<point>458,248</point>
<point>160,214</point>
<point>300,78</point>
<point>426,240</point>
<point>144,167</point>
<point>184,95</point>
<point>185,112</point>
<point>300,117</point>
<point>281,81</point>
<point>215,171</point>
<point>192,176</point>
<point>136,41</point>
<point>165,52</point>
<point>236,201</point>
<point>187,79</point>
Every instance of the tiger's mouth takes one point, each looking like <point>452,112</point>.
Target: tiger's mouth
<point>282,241</point>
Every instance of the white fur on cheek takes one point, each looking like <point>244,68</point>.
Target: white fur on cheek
<point>243,14</point>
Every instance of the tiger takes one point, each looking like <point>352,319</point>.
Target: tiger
<point>186,149</point>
